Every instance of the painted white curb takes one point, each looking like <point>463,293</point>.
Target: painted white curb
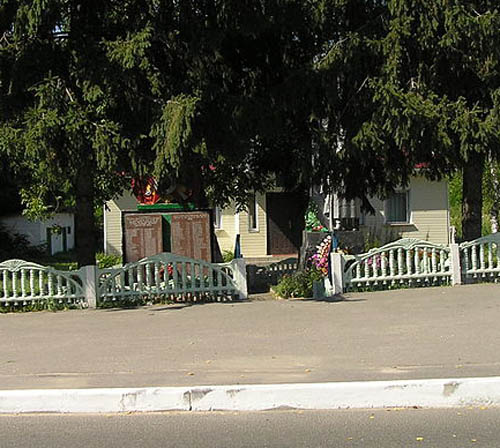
<point>437,393</point>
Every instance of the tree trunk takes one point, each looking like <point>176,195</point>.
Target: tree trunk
<point>196,184</point>
<point>472,197</point>
<point>85,238</point>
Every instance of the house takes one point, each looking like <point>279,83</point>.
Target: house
<point>420,211</point>
<point>269,229</point>
<point>57,233</point>
<point>252,225</point>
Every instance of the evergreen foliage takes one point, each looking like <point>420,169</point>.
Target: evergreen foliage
<point>437,98</point>
<point>64,118</point>
<point>229,97</point>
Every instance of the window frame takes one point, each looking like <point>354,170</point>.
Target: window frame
<point>253,200</point>
<point>408,212</point>
<point>217,218</point>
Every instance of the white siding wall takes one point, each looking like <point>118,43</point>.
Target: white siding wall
<point>22,226</point>
<point>253,242</point>
<point>113,222</point>
<point>36,231</point>
<point>226,235</point>
<point>429,219</point>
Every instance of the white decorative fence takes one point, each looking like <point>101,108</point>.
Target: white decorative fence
<point>412,262</point>
<point>162,276</point>
<point>173,277</point>
<point>24,283</point>
<point>407,261</point>
<point>481,258</point>
<point>260,277</point>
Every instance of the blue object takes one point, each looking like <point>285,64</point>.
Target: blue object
<point>335,243</point>
<point>237,247</point>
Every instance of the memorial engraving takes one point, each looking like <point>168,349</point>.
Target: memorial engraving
<point>143,236</point>
<point>190,235</point>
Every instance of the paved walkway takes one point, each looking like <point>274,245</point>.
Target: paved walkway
<point>409,334</point>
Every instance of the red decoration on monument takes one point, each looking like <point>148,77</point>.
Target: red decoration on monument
<point>145,189</point>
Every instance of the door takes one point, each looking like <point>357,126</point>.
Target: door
<point>284,223</point>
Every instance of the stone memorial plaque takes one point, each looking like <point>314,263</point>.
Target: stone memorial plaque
<point>190,235</point>
<point>143,236</point>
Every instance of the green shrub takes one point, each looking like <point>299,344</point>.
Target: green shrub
<point>299,284</point>
<point>107,260</point>
<point>41,305</point>
<point>227,256</point>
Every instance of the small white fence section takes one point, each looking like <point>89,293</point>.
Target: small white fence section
<point>23,283</point>
<point>174,277</point>
<point>481,258</point>
<point>412,262</point>
<point>260,277</point>
<point>407,261</point>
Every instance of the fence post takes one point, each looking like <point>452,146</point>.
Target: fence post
<point>337,269</point>
<point>89,278</point>
<point>240,277</point>
<point>456,267</point>
<point>251,276</point>
<point>319,289</point>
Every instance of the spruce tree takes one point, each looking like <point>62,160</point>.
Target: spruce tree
<point>436,101</point>
<point>68,119</point>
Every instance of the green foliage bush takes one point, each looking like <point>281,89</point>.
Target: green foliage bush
<point>299,284</point>
<point>107,260</point>
<point>227,256</point>
<point>41,305</point>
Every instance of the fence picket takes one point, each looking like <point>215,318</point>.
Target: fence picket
<point>23,283</point>
<point>14,284</point>
<point>392,264</point>
<point>490,255</point>
<point>32,282</point>
<point>383,265</point>
<point>482,263</point>
<point>474,259</point>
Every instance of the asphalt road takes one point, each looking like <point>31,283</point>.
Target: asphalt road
<point>408,334</point>
<point>465,427</point>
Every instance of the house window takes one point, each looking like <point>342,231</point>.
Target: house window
<point>253,218</point>
<point>218,218</point>
<point>397,208</point>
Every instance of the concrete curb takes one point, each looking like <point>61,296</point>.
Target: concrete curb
<point>436,393</point>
